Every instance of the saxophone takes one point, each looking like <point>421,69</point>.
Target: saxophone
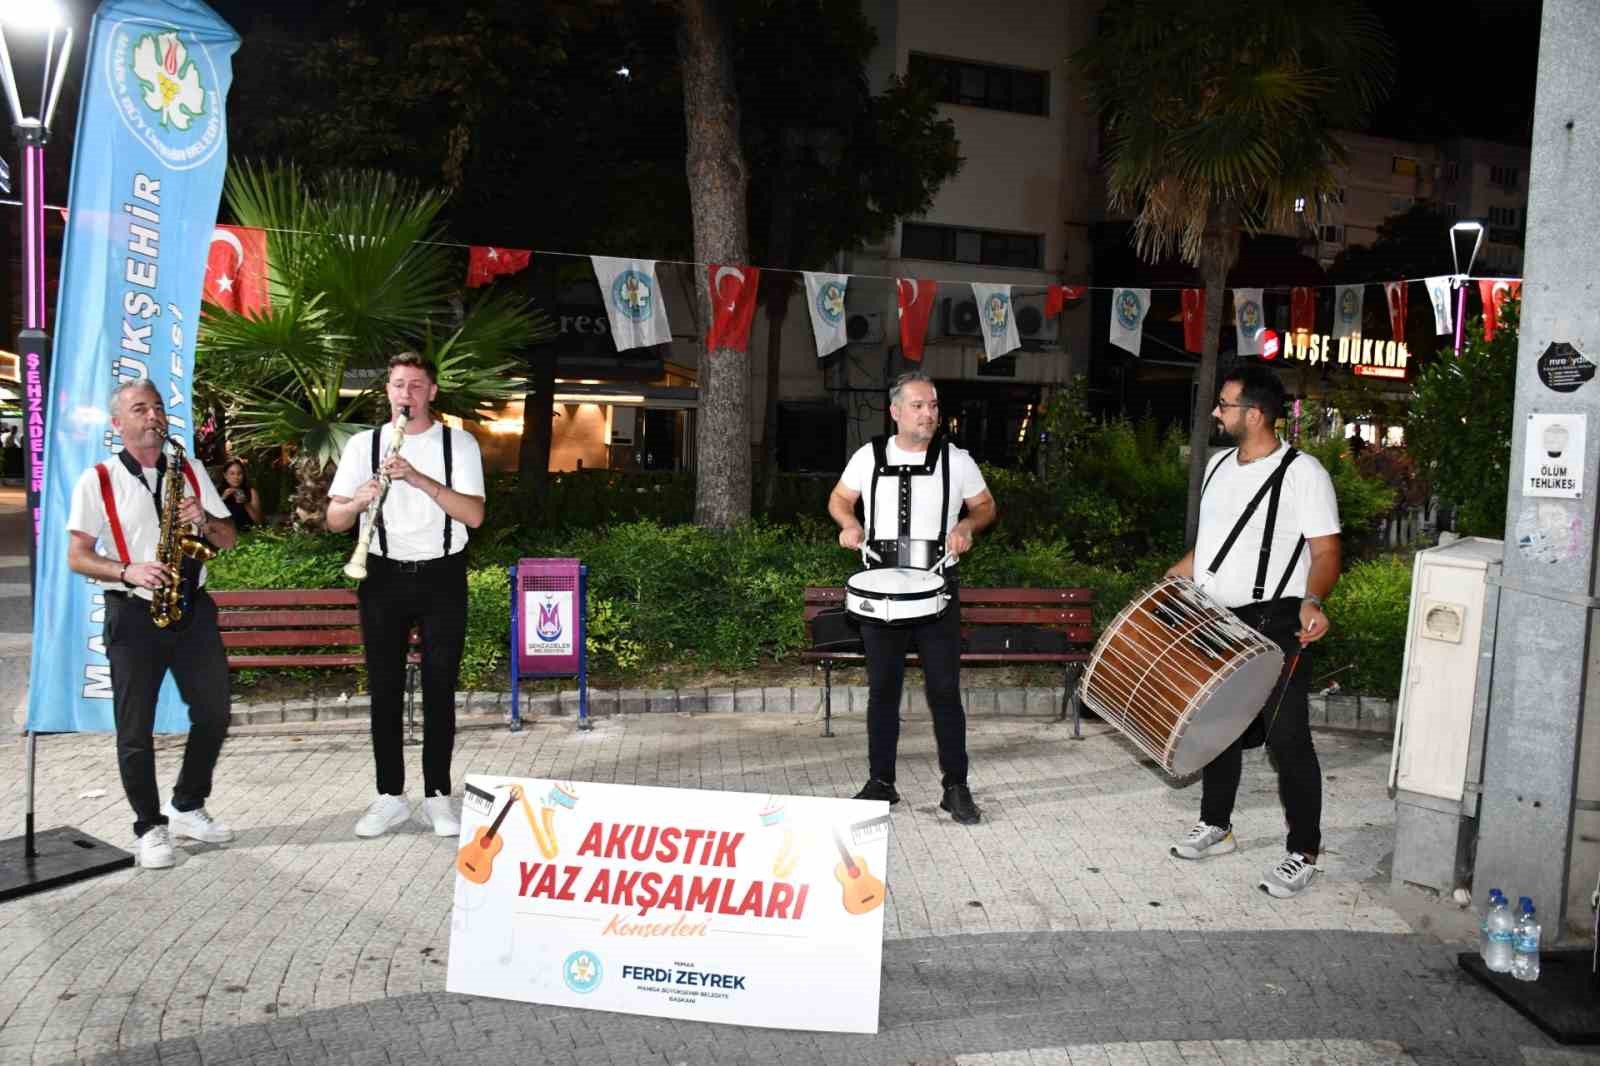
<point>168,602</point>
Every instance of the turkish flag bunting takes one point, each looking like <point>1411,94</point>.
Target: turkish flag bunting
<point>1057,296</point>
<point>733,305</point>
<point>1396,292</point>
<point>1302,310</point>
<point>236,270</point>
<point>1494,295</point>
<point>916,308</point>
<point>485,264</point>
<point>1194,319</point>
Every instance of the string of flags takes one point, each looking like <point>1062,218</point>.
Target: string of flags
<point>236,279</point>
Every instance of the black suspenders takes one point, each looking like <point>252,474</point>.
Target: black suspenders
<point>1271,490</point>
<point>449,471</point>
<point>938,453</point>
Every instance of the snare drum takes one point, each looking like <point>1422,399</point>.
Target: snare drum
<point>896,595</point>
<point>1180,675</point>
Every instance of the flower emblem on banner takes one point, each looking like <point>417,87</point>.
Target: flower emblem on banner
<point>830,302</point>
<point>548,626</point>
<point>997,311</point>
<point>1130,310</point>
<point>1250,318</point>
<point>169,79</point>
<point>631,294</point>
<point>1347,306</point>
<point>582,971</point>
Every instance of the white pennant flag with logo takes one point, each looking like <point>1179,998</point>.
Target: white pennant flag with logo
<point>1439,297</point>
<point>1347,311</point>
<point>1248,320</point>
<point>1128,308</point>
<point>825,301</point>
<point>633,301</point>
<point>997,318</point>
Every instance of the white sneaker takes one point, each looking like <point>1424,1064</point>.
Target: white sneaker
<point>1203,842</point>
<point>386,813</point>
<point>155,849</point>
<point>196,825</point>
<point>1290,877</point>
<point>437,812</point>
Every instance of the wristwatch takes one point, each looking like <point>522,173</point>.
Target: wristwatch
<point>1309,598</point>
<point>123,577</point>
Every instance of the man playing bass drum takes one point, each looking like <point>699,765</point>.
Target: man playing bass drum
<point>1269,545</point>
<point>416,575</point>
<point>917,482</point>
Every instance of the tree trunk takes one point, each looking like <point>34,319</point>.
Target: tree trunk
<point>310,504</point>
<point>538,409</point>
<point>718,186</point>
<point>1219,250</point>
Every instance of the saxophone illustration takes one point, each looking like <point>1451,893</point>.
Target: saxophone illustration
<point>176,544</point>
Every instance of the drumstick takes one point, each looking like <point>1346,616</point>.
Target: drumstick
<point>1287,677</point>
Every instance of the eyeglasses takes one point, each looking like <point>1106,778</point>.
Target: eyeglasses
<point>1225,406</point>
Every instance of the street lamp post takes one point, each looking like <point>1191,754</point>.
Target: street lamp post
<point>61,855</point>
<point>1458,231</point>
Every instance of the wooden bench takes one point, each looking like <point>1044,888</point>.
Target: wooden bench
<point>266,629</point>
<point>1068,611</point>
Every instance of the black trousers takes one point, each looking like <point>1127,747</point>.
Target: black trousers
<point>141,655</point>
<point>1288,737</point>
<point>938,644</point>
<point>394,597</point>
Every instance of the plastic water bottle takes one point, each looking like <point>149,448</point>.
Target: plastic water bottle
<point>1502,933</point>
<point>1496,897</point>
<point>1525,944</point>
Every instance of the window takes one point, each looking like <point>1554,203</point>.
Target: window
<point>1399,205</point>
<point>1505,177</point>
<point>1337,196</point>
<point>1299,205</point>
<point>1405,166</point>
<point>1333,234</point>
<point>1451,211</point>
<point>920,240</point>
<point>1452,170</point>
<point>982,84</point>
<point>1502,216</point>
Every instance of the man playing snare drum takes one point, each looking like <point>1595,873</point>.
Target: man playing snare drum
<point>1272,565</point>
<point>916,483</point>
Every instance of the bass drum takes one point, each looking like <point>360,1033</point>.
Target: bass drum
<point>1180,675</point>
<point>895,595</point>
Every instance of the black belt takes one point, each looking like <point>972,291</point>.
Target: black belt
<point>412,566</point>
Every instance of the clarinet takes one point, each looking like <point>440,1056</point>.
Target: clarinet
<point>356,568</point>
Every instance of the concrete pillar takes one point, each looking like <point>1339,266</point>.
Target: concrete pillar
<point>1540,678</point>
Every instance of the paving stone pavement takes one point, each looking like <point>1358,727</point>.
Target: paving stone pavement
<point>1058,931</point>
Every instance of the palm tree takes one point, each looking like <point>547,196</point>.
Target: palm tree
<point>1218,116</point>
<point>355,276</point>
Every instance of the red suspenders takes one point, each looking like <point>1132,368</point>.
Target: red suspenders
<point>110,500</point>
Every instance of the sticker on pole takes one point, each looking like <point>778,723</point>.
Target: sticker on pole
<point>1552,456</point>
<point>1563,368</point>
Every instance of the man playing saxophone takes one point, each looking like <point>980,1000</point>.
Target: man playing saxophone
<point>118,508</point>
<point>416,575</point>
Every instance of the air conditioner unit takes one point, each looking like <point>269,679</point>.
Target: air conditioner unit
<point>961,317</point>
<point>1033,327</point>
<point>864,327</point>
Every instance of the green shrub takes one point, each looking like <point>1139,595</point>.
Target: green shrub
<point>1367,615</point>
<point>1364,499</point>
<point>282,559</point>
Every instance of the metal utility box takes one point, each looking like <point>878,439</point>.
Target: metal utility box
<point>1437,763</point>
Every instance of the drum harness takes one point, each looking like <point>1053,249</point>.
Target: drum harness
<point>938,455</point>
<point>1273,486</point>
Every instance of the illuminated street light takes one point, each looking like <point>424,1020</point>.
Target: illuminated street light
<point>1457,232</point>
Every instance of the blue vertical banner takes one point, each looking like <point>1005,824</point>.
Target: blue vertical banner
<point>147,170</point>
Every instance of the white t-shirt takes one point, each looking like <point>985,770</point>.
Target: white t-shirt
<point>137,511</point>
<point>1307,508</point>
<point>413,522</point>
<point>966,481</point>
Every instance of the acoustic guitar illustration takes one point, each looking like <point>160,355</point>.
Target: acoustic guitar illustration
<point>862,891</point>
<point>475,860</point>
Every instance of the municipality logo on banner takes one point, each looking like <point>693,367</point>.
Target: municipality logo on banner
<point>1248,320</point>
<point>633,301</point>
<point>997,319</point>
<point>825,301</point>
<point>1347,311</point>
<point>146,178</point>
<point>1128,307</point>
<point>1439,297</point>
